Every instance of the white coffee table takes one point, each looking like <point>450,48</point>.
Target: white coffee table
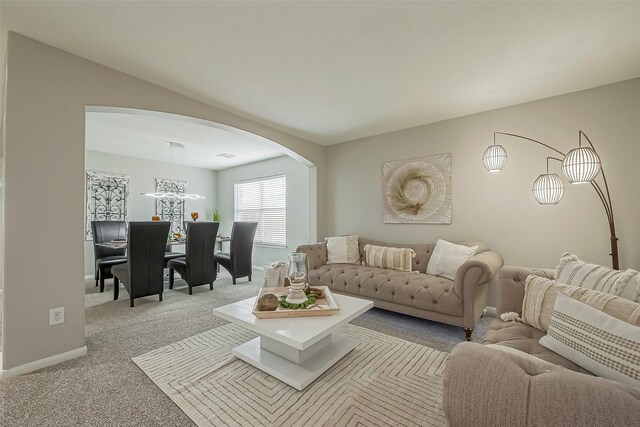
<point>294,350</point>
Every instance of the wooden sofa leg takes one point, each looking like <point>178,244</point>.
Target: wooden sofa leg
<point>467,333</point>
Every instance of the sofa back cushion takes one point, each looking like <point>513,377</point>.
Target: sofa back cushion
<point>420,261</point>
<point>392,258</point>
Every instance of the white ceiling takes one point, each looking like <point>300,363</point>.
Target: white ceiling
<point>335,71</point>
<point>147,136</point>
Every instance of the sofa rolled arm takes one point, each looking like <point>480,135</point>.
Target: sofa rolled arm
<point>485,386</point>
<point>511,287</point>
<point>316,254</point>
<point>472,284</point>
<point>477,270</point>
<point>489,262</point>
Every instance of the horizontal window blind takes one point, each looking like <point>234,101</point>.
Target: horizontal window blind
<point>263,200</point>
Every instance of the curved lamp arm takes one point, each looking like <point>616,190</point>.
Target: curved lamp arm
<point>604,196</point>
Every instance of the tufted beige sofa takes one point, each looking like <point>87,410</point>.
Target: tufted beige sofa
<point>460,302</point>
<point>489,385</point>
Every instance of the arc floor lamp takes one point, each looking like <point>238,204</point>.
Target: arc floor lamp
<point>580,165</point>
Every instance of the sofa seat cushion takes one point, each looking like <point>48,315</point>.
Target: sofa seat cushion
<point>411,289</point>
<point>525,338</point>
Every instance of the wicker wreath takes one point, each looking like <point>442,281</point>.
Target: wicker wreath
<point>417,190</point>
<point>400,199</point>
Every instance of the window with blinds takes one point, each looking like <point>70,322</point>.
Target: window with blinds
<point>263,200</point>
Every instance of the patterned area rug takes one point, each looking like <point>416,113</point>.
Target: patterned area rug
<point>384,381</point>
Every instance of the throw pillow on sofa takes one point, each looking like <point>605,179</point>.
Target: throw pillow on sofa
<point>447,258</point>
<point>600,343</point>
<point>342,250</point>
<point>540,296</point>
<point>393,258</point>
<point>573,271</point>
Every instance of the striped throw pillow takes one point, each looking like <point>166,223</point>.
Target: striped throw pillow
<point>573,271</point>
<point>596,341</point>
<point>392,258</point>
<point>540,296</point>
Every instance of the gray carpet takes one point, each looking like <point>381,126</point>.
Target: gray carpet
<point>106,388</point>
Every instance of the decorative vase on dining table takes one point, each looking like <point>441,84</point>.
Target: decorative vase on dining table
<point>297,275</point>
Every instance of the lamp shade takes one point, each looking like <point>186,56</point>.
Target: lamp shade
<point>494,158</point>
<point>548,189</point>
<point>581,165</point>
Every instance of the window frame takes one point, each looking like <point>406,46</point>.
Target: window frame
<point>257,241</point>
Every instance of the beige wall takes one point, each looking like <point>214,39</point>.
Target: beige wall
<point>499,208</point>
<point>47,92</point>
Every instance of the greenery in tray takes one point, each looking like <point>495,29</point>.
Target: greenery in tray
<point>311,299</point>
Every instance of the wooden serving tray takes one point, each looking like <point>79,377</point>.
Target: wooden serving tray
<point>327,306</point>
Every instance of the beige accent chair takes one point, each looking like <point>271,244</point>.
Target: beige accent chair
<point>491,385</point>
<point>458,302</point>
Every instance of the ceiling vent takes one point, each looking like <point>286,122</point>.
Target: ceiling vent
<point>226,155</point>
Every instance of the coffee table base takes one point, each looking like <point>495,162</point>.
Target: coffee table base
<point>298,368</point>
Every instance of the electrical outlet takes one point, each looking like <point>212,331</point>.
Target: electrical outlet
<point>56,316</point>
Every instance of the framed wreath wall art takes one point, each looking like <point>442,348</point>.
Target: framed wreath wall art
<point>417,191</point>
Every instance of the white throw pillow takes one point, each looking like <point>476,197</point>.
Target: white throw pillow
<point>447,257</point>
<point>575,272</point>
<point>342,250</point>
<point>596,341</point>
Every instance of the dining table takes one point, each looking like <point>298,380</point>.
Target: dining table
<point>122,244</point>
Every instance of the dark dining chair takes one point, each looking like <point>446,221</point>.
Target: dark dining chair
<point>198,267</point>
<point>105,258</point>
<point>143,273</point>
<point>169,255</point>
<point>238,261</point>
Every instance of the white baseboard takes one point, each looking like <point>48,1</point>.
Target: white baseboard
<point>490,310</point>
<point>43,363</point>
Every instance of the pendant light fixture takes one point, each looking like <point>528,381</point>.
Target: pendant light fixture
<point>494,157</point>
<point>168,194</point>
<point>548,188</point>
<point>581,165</point>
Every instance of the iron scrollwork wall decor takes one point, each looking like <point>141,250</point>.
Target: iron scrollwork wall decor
<point>171,209</point>
<point>107,195</point>
<point>418,190</point>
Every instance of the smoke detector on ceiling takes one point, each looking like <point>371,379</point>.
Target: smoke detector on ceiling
<point>226,155</point>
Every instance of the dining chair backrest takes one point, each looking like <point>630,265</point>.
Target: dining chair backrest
<point>241,247</point>
<point>106,231</point>
<point>200,248</point>
<point>145,255</point>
